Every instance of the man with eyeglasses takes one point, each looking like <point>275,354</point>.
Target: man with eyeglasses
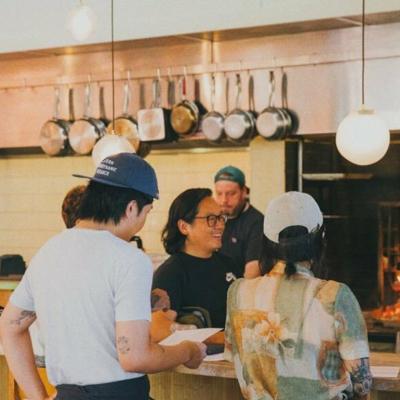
<point>196,274</point>
<point>244,229</point>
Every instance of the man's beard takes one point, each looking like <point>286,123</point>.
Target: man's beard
<point>237,210</point>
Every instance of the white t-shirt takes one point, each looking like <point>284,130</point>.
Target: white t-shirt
<point>79,284</point>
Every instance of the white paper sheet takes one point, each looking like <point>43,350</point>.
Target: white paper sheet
<point>385,372</point>
<point>195,335</point>
<point>215,357</point>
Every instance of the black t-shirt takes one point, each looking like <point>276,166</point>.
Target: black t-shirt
<point>242,238</point>
<point>197,282</point>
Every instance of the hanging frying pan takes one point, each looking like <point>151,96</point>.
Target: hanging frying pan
<point>212,123</point>
<point>154,123</point>
<point>126,125</point>
<point>273,123</point>
<point>86,131</point>
<point>239,124</point>
<point>54,133</point>
<point>185,115</point>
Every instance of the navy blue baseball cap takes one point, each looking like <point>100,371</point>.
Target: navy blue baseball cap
<point>126,170</point>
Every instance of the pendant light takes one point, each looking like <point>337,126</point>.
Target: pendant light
<point>363,137</point>
<point>81,22</point>
<point>111,143</point>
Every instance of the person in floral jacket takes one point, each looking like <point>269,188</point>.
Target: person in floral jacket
<point>291,335</point>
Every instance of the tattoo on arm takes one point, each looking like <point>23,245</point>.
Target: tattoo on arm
<point>40,361</point>
<point>23,316</point>
<point>123,344</point>
<point>361,377</point>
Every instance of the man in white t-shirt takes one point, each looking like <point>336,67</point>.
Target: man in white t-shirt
<point>89,289</point>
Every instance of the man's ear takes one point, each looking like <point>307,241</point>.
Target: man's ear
<point>183,227</point>
<point>131,209</point>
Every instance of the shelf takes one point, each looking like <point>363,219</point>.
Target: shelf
<point>335,176</point>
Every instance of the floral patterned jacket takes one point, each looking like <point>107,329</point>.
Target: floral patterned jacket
<point>289,337</point>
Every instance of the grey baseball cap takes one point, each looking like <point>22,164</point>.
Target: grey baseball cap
<point>289,209</point>
<point>126,170</point>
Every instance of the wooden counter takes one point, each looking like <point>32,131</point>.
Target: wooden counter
<point>212,380</point>
<point>217,381</point>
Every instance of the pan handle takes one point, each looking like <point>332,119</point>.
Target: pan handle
<point>227,94</point>
<point>156,89</point>
<point>71,104</point>
<point>252,105</point>
<point>271,88</point>
<point>142,96</point>
<point>238,90</point>
<point>88,95</point>
<point>57,101</point>
<point>127,97</point>
<point>154,93</point>
<point>212,99</point>
<point>284,90</point>
<point>102,105</point>
<point>171,92</point>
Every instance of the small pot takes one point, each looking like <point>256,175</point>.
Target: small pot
<point>54,133</point>
<point>273,123</point>
<point>86,131</point>
<point>239,124</point>
<point>212,124</point>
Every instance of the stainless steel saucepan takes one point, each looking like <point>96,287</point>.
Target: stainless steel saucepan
<point>54,133</point>
<point>86,131</point>
<point>239,124</point>
<point>212,123</point>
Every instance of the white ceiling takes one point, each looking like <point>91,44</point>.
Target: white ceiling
<point>40,24</point>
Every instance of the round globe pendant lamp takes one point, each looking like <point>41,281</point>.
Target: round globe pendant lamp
<point>363,137</point>
<point>111,143</point>
<point>81,22</point>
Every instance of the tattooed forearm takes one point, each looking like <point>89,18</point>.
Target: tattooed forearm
<point>23,316</point>
<point>123,344</point>
<point>361,377</point>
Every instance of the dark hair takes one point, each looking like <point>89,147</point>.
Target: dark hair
<point>295,244</point>
<point>70,205</point>
<point>104,203</point>
<point>184,207</point>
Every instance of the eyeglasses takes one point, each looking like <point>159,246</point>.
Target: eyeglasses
<point>213,219</point>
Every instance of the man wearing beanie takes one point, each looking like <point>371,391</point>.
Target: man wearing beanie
<point>89,290</point>
<point>243,231</point>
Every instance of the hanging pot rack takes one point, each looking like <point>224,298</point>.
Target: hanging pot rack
<point>191,70</point>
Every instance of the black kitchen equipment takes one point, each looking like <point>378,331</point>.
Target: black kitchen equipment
<point>86,131</point>
<point>126,125</point>
<point>273,123</point>
<point>154,123</point>
<point>240,124</point>
<point>185,115</point>
<point>54,133</point>
<point>212,123</point>
<point>12,264</point>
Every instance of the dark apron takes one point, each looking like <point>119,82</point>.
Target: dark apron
<point>131,389</point>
